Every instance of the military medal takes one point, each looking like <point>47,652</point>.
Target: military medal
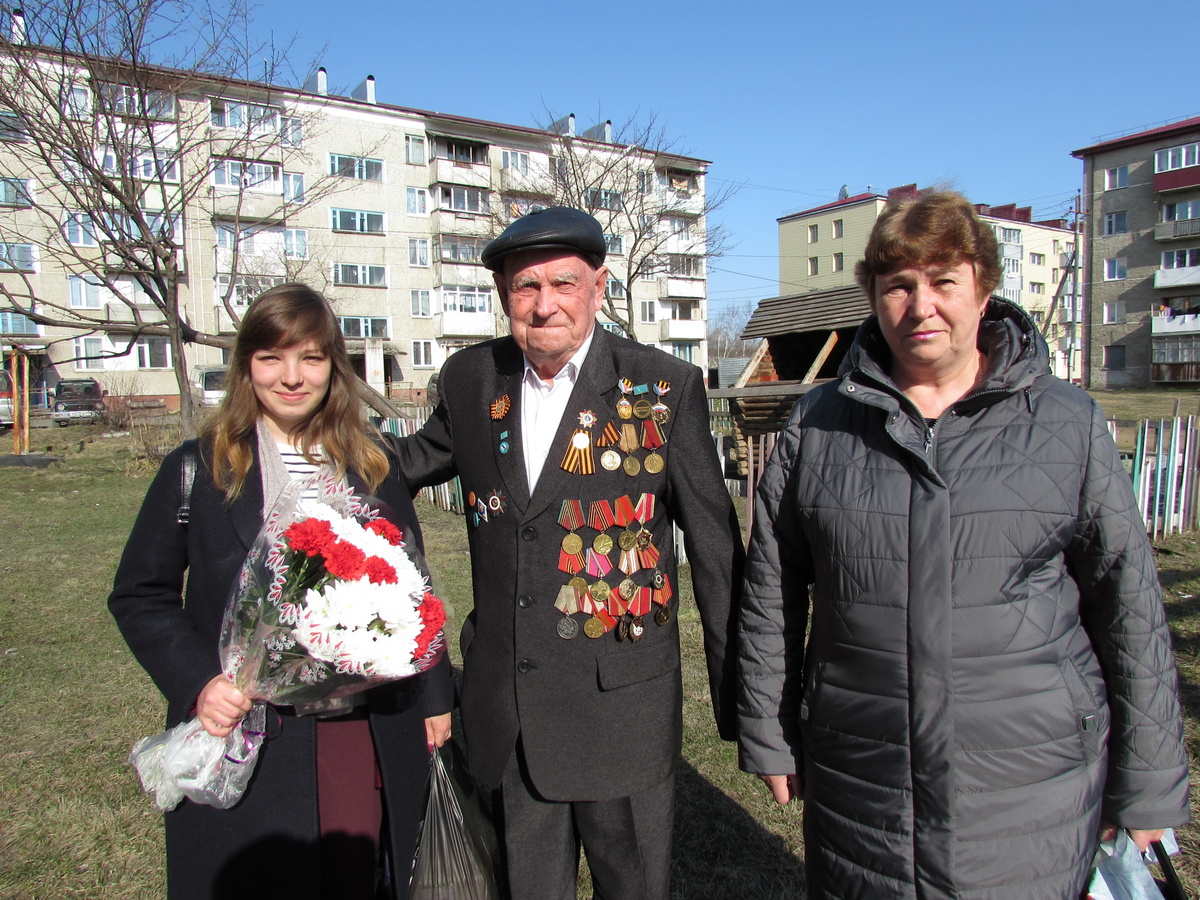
<point>572,544</point>
<point>601,516</point>
<point>629,439</point>
<point>663,593</point>
<point>627,589</point>
<point>637,628</point>
<point>609,436</point>
<point>570,558</point>
<point>600,591</point>
<point>644,511</point>
<point>567,627</point>
<point>642,408</point>
<point>623,511</point>
<point>603,544</point>
<point>623,628</point>
<point>610,460</point>
<point>628,561</point>
<point>587,418</point>
<point>597,565</point>
<point>496,503</point>
<point>647,553</point>
<point>631,466</point>
<point>567,603</point>
<point>578,458</point>
<point>654,463</point>
<point>652,436</point>
<point>499,408</point>
<point>624,407</point>
<point>660,413</point>
<point>593,627</point>
<point>639,603</point>
<point>662,388</point>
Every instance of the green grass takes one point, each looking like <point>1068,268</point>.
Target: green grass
<point>75,824</point>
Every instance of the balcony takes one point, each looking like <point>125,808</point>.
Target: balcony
<point>689,203</point>
<point>682,330</point>
<point>248,263</point>
<point>514,181</point>
<point>461,222</point>
<point>464,324</point>
<point>1170,231</point>
<point>1176,324</point>
<point>1177,179</point>
<point>1184,275</point>
<point>675,286</point>
<point>1010,250</point>
<point>449,171</point>
<point>138,259</point>
<point>248,206</point>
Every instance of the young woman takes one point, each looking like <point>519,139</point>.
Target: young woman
<point>309,823</point>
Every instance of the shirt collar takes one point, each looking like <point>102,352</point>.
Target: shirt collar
<point>570,371</point>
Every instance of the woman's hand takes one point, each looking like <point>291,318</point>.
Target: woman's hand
<point>783,787</point>
<point>1142,838</point>
<point>437,730</point>
<point>221,706</point>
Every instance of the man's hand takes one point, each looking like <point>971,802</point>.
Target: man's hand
<point>437,730</point>
<point>783,787</point>
<point>220,706</point>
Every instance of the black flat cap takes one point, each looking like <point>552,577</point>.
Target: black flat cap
<point>557,226</point>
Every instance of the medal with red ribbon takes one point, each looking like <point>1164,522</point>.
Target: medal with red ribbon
<point>623,511</point>
<point>601,516</point>
<point>644,511</point>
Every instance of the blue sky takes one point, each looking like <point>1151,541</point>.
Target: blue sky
<point>790,100</point>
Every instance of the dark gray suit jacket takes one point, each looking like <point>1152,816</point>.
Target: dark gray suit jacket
<point>599,718</point>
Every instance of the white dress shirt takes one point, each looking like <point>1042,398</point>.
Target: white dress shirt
<point>542,406</point>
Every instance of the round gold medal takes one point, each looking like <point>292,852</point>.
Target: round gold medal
<point>624,409</point>
<point>642,409</point>
<point>627,540</point>
<point>578,583</point>
<point>654,463</point>
<point>600,591</point>
<point>593,627</point>
<point>661,413</point>
<point>602,544</point>
<point>611,460</point>
<point>627,589</point>
<point>632,466</point>
<point>662,615</point>
<point>572,544</point>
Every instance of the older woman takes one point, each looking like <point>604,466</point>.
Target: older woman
<point>310,822</point>
<point>988,674</point>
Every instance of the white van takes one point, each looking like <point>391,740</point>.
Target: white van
<point>210,384</point>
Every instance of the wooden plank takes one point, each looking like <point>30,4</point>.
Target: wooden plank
<point>830,343</point>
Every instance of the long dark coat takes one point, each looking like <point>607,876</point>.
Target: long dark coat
<point>266,845</point>
<point>988,670</point>
<point>599,718</point>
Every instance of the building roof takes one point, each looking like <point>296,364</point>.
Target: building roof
<point>841,307</point>
<point>849,201</point>
<point>1150,134</point>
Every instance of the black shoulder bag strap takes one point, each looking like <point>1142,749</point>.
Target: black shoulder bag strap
<point>187,478</point>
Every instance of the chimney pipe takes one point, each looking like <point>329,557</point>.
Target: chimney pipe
<point>17,27</point>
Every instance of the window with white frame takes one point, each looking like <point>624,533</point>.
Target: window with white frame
<point>419,303</point>
<point>838,228</point>
<point>1116,222</point>
<point>1010,235</point>
<point>459,248</point>
<point>291,131</point>
<point>685,350</point>
<point>1011,265</point>
<point>16,257</point>
<point>1115,269</point>
<point>466,298</point>
<point>1037,287</point>
<point>648,311</point>
<point>414,149</point>
<point>245,287</point>
<point>1037,259</point>
<point>252,175</point>
<point>147,165</point>
<point>518,160</point>
<point>1114,312</point>
<point>293,187</point>
<point>839,262</point>
<point>87,353</point>
<point>647,182</point>
<point>614,289</point>
<point>127,100</point>
<point>12,129</point>
<point>1181,259</point>
<point>614,244</point>
<point>680,227</point>
<point>464,199</point>
<point>75,102</point>
<point>418,201</point>
<point>1177,157</point>
<point>1116,177</point>
<point>230,237</point>
<point>685,265</point>
<point>360,220</point>
<point>360,275</point>
<point>418,252</point>
<point>360,167</point>
<point>363,326</point>
<point>253,119</point>
<point>814,234</point>
<point>153,352</point>
<point>460,151</point>
<point>602,198</point>
<point>85,292</point>
<point>81,230</point>
<point>1181,209</point>
<point>422,354</point>
<point>814,265</point>
<point>15,192</point>
<point>295,243</point>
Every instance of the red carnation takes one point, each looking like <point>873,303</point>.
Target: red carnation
<point>311,536</point>
<point>344,560</point>
<point>380,571</point>
<point>385,530</point>
<point>434,616</point>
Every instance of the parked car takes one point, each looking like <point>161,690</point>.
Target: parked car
<point>6,400</point>
<point>77,400</point>
<point>210,384</point>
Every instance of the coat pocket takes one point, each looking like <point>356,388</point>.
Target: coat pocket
<point>812,689</point>
<point>640,664</point>
<point>1091,717</point>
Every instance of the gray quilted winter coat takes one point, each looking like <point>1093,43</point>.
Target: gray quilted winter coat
<point>988,670</point>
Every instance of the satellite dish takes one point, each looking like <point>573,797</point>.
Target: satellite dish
<point>844,193</point>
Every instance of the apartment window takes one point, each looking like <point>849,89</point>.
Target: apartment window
<point>293,187</point>
<point>837,228</point>
<point>685,310</point>
<point>1115,269</point>
<point>1116,177</point>
<point>614,289</point>
<point>1114,312</point>
<point>12,128</point>
<point>614,244</point>
<point>363,326</point>
<point>231,238</point>
<point>422,354</point>
<point>361,275</point>
<point>418,201</point>
<point>1037,287</point>
<point>646,182</point>
<point>1010,235</point>
<point>245,287</point>
<point>420,304</point>
<point>75,102</point>
<point>648,310</point>
<point>1181,259</point>
<point>254,119</point>
<point>1011,265</point>
<point>814,266</point>
<point>1185,209</point>
<point>153,353</point>
<point>127,100</point>
<point>360,220</point>
<point>16,257</point>
<point>359,167</point>
<point>146,165</point>
<point>601,198</point>
<point>685,265</point>
<point>813,234</point>
<point>839,262</point>
<point>85,292</point>
<point>460,151</point>
<point>414,149</point>
<point>81,230</point>
<point>418,252</point>
<point>1114,356</point>
<point>680,227</point>
<point>466,298</point>
<point>685,350</point>
<point>295,243</point>
<point>1037,259</point>
<point>515,159</point>
<point>16,323</point>
<point>15,192</point>
<point>1115,222</point>
<point>458,248</point>
<point>87,353</point>
<point>464,199</point>
<point>291,131</point>
<point>251,175</point>
<point>1177,157</point>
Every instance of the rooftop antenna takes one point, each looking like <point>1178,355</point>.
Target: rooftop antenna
<point>844,193</point>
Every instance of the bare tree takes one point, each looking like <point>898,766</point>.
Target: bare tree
<point>110,137</point>
<point>725,331</point>
<point>650,199</point>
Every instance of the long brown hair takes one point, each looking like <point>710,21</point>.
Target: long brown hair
<point>282,317</point>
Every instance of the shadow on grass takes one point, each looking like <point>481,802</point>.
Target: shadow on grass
<point>721,851</point>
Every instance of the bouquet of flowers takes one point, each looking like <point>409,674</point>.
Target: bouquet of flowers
<point>329,602</point>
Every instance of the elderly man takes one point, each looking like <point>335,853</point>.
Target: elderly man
<point>577,450</point>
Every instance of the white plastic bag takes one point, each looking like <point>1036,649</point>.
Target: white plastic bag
<point>187,761</point>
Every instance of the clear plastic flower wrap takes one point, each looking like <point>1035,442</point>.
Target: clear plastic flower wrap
<point>330,601</point>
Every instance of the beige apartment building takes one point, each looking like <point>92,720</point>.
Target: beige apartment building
<point>384,208</point>
<point>1142,277</point>
<point>819,247</point>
